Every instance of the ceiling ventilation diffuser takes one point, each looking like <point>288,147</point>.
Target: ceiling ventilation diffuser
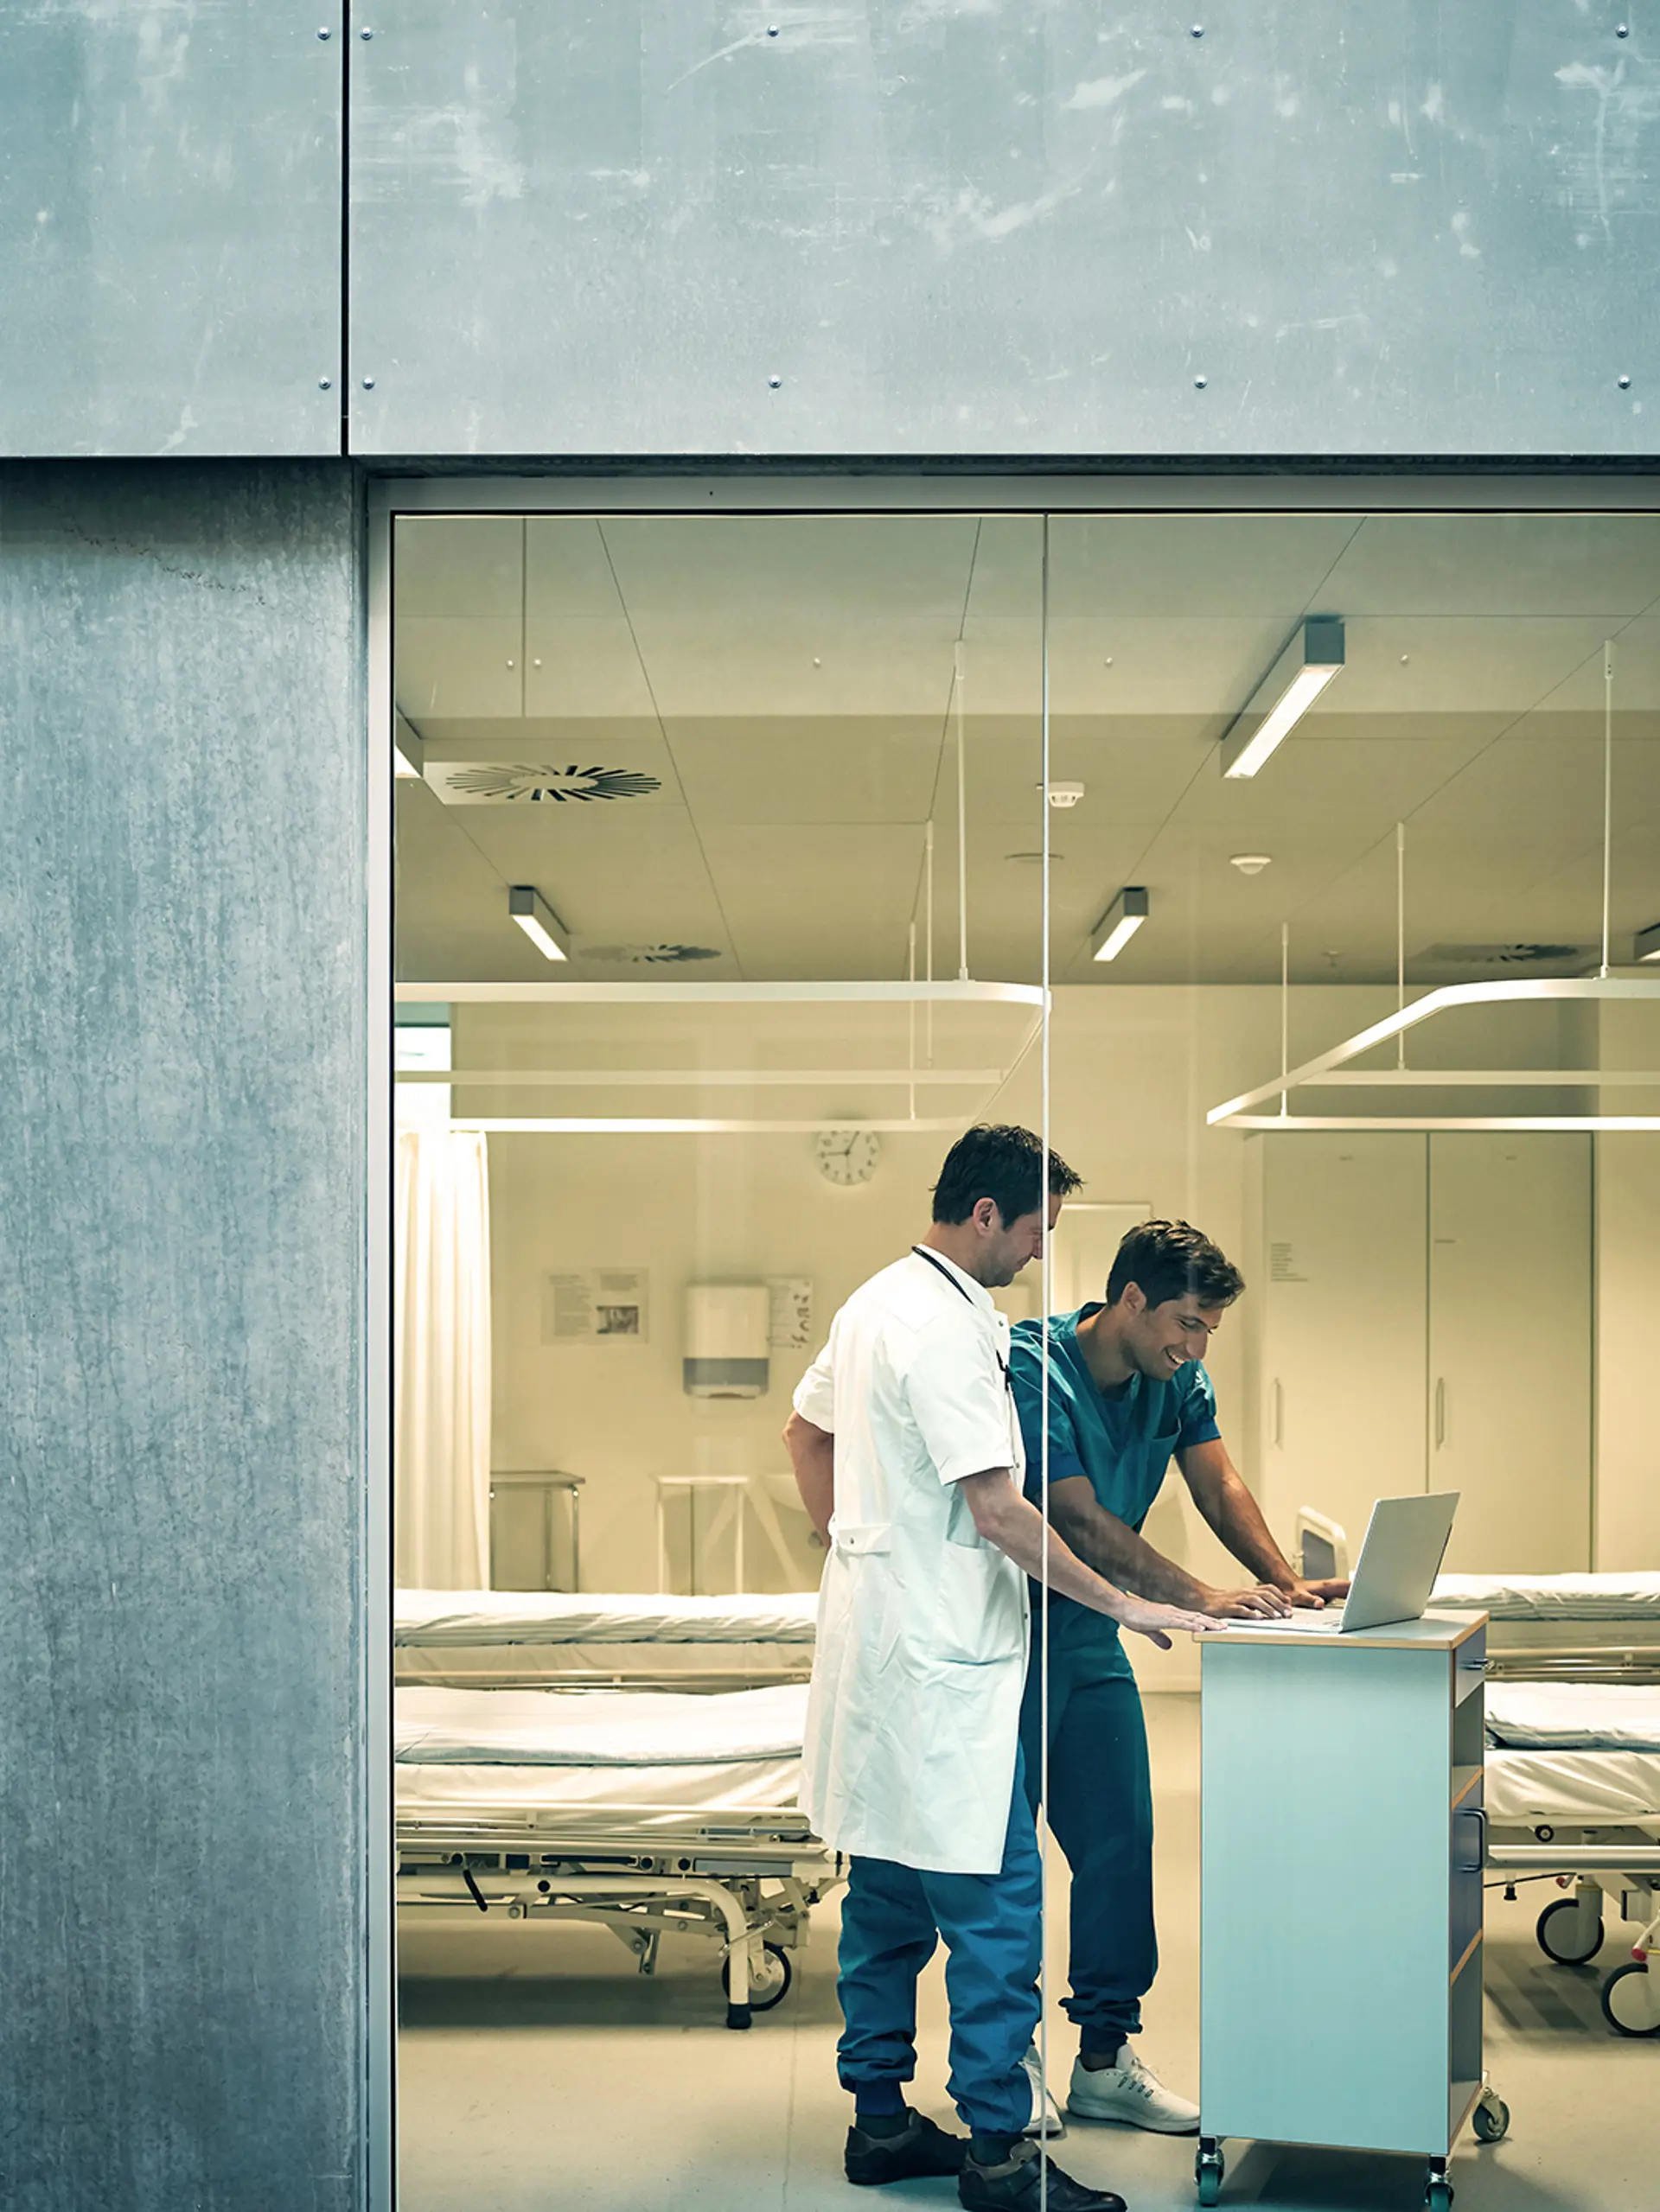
<point>648,956</point>
<point>494,783</point>
<point>1504,956</point>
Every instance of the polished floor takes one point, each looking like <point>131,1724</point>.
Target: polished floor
<point>538,2073</point>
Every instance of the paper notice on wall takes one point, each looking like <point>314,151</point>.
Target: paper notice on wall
<point>789,1320</point>
<point>600,1305</point>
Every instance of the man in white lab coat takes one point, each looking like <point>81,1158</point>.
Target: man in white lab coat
<point>904,1431</point>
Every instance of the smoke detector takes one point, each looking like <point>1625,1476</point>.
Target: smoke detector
<point>1064,795</point>
<point>1250,863</point>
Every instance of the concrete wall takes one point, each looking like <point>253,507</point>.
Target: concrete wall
<point>183,836</point>
<point>958,227</point>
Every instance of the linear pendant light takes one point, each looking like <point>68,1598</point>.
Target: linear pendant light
<point>1120,922</point>
<point>1309,662</point>
<point>1647,947</point>
<point>538,919</point>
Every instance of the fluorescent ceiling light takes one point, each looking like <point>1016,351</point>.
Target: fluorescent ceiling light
<point>1648,943</point>
<point>408,753</point>
<point>1285,695</point>
<point>538,919</point>
<point>1120,922</point>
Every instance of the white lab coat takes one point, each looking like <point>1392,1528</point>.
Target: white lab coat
<point>914,1712</point>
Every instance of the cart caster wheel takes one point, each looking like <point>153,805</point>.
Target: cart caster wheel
<point>1208,2170</point>
<point>1438,2196</point>
<point>1630,2001</point>
<point>737,2016</point>
<point>1491,2119</point>
<point>768,1982</point>
<point>1560,1937</point>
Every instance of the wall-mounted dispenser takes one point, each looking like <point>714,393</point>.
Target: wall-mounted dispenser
<point>726,1340</point>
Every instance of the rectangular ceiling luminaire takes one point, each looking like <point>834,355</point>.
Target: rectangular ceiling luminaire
<point>1309,662</point>
<point>408,753</point>
<point>1120,922</point>
<point>1647,947</point>
<point>1316,1073</point>
<point>538,919</point>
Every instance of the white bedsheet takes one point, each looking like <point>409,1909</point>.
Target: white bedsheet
<point>1526,1789</point>
<point>1575,1716</point>
<point>601,1729</point>
<point>515,1616</point>
<point>1554,1598</point>
<point>654,1796</point>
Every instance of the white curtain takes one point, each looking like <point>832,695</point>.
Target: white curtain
<point>441,1421</point>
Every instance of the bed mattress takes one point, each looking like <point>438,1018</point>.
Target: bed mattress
<point>1526,1789</point>
<point>558,1751</point>
<point>482,1617</point>
<point>1555,1598</point>
<point>462,1664</point>
<point>1575,1716</point>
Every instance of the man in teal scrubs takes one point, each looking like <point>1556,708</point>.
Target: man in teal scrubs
<point>1128,1392</point>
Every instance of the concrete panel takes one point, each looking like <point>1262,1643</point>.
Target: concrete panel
<point>182,1317</point>
<point>978,228</point>
<point>169,228</point>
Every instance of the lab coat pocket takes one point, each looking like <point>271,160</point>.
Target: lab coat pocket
<point>979,1617</point>
<point>864,1537</point>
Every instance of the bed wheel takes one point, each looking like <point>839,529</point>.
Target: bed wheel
<point>1438,2196</point>
<point>769,1978</point>
<point>1491,2118</point>
<point>1561,1933</point>
<point>1208,2167</point>
<point>1630,2001</point>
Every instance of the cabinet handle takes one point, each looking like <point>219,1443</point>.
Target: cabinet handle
<point>1441,1411</point>
<point>1279,1412</point>
<point>1478,1814</point>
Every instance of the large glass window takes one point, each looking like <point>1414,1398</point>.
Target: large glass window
<point>734,856</point>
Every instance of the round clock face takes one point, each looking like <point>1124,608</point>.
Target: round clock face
<point>847,1156</point>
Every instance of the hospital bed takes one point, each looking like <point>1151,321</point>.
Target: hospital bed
<point>524,1638</point>
<point>650,1813</point>
<point>1573,1789</point>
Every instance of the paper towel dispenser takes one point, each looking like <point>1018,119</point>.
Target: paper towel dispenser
<point>726,1352</point>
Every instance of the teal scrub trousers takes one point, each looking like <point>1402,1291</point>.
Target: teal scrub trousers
<point>1100,1812</point>
<point>892,1919</point>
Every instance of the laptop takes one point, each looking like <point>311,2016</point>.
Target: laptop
<point>1406,1542</point>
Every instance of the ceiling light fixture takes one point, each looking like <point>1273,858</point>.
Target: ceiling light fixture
<point>1250,863</point>
<point>538,919</point>
<point>408,753</point>
<point>1120,922</point>
<point>1309,662</point>
<point>1647,947</point>
<point>1063,795</point>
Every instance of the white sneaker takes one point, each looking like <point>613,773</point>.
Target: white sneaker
<point>1045,2113</point>
<point>1128,2093</point>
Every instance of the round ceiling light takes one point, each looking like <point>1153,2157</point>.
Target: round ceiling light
<point>1250,863</point>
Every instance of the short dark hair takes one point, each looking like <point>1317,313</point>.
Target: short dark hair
<point>997,1160</point>
<point>1170,1259</point>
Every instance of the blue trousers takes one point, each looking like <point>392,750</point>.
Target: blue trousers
<point>893,1918</point>
<point>1100,1812</point>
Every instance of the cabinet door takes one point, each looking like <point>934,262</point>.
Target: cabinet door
<point>1341,1279</point>
<point>1509,1348</point>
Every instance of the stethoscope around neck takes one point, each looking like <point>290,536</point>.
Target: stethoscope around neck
<point>939,1268</point>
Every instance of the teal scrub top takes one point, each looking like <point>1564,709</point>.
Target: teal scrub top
<point>1120,1444</point>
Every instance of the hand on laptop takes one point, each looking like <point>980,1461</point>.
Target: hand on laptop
<point>1261,1601</point>
<point>1318,1594</point>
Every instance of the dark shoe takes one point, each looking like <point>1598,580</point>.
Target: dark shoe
<point>1014,2187</point>
<point>922,2149</point>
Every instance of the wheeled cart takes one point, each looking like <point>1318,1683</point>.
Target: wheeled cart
<point>1341,1787</point>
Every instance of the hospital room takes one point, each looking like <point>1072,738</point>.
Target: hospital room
<point>1294,878</point>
